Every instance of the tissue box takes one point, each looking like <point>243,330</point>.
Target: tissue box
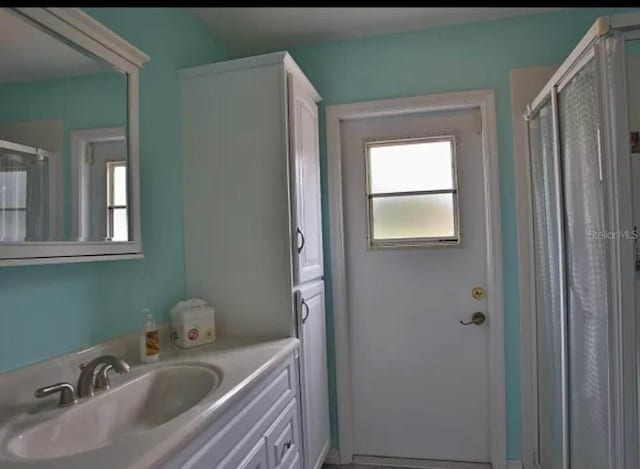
<point>192,324</point>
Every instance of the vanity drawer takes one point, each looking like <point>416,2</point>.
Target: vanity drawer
<point>257,457</point>
<point>283,439</point>
<point>238,432</point>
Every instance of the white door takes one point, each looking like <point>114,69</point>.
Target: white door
<point>420,377</point>
<point>315,392</point>
<point>305,177</point>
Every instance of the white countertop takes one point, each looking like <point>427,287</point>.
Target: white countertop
<point>241,362</point>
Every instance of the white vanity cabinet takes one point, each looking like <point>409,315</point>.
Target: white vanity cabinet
<point>260,431</point>
<point>253,219</point>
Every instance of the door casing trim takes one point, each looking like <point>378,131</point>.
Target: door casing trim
<point>484,101</point>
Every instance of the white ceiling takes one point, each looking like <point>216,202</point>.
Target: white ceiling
<point>246,31</point>
<point>29,53</point>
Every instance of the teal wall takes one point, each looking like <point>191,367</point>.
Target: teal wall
<point>441,60</point>
<point>50,310</point>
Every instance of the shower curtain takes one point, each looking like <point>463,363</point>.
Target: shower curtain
<point>24,196</point>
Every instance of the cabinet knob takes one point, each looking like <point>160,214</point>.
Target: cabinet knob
<point>285,448</point>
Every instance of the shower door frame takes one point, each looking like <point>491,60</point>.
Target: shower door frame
<point>623,329</point>
<point>624,334</point>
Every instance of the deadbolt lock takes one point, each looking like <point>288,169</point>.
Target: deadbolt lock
<point>478,293</point>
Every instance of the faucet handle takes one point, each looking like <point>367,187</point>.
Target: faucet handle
<point>67,393</point>
<point>102,378</point>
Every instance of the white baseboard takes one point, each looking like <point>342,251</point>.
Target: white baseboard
<point>333,457</point>
<point>416,463</point>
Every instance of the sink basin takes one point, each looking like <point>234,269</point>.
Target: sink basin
<point>142,403</point>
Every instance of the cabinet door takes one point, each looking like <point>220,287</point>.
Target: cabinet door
<point>305,180</point>
<point>315,393</point>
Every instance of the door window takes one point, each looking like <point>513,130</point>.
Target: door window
<point>412,193</point>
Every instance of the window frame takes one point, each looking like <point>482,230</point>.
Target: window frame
<point>421,242</point>
<point>110,206</point>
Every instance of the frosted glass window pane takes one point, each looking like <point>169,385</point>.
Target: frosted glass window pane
<point>415,216</point>
<point>13,225</point>
<point>407,167</point>
<point>120,225</point>
<point>120,185</point>
<point>13,189</point>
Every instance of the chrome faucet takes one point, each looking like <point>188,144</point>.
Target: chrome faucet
<point>88,384</point>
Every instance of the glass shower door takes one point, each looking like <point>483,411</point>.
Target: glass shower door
<point>586,265</point>
<point>549,297</point>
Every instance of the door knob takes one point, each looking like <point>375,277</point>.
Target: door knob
<point>477,319</point>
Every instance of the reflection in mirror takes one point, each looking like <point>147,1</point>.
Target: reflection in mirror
<point>63,145</point>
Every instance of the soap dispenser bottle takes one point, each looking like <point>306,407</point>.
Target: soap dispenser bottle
<point>149,339</point>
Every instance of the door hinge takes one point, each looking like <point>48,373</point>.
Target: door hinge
<point>477,122</point>
<point>88,154</point>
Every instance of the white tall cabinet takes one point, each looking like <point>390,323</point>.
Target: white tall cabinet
<point>252,213</point>
<point>305,179</point>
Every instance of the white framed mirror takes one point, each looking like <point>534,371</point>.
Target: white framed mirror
<point>69,145</point>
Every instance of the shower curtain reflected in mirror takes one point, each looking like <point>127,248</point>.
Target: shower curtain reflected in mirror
<point>24,195</point>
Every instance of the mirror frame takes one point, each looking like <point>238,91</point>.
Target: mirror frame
<point>81,30</point>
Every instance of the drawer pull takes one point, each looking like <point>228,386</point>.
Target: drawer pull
<point>301,245</point>
<point>285,448</point>
<point>306,308</point>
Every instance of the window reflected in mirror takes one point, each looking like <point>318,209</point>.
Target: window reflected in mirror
<point>117,225</point>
